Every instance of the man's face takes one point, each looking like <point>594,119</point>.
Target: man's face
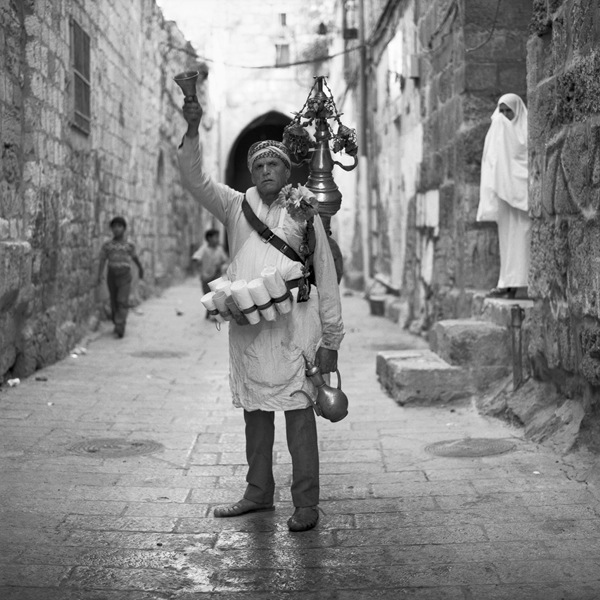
<point>213,241</point>
<point>269,175</point>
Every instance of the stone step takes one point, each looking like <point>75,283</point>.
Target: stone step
<point>421,377</point>
<point>498,311</point>
<point>471,343</point>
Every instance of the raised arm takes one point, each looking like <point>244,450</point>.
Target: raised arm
<point>215,197</point>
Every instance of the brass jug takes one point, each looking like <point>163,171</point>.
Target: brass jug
<point>331,403</point>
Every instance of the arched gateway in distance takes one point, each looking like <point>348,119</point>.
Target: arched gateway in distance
<point>268,126</point>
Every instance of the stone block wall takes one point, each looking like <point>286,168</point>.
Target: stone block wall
<point>436,70</point>
<point>397,139</point>
<point>59,187</point>
<point>472,52</point>
<point>564,154</point>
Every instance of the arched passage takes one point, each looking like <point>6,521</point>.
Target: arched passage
<point>266,127</point>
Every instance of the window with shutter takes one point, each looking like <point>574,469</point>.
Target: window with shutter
<point>80,61</point>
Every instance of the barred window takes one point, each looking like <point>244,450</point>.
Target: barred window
<point>80,61</point>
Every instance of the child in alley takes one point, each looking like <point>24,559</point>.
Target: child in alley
<point>211,259</point>
<point>119,253</point>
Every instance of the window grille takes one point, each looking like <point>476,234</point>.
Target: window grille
<point>283,19</point>
<point>80,62</point>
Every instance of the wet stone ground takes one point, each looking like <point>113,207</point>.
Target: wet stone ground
<point>112,460</point>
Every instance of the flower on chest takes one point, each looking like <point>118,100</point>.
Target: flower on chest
<point>300,202</point>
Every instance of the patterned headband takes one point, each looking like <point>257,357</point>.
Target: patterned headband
<point>268,148</point>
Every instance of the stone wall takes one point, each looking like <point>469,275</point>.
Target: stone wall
<point>59,186</point>
<point>397,140</point>
<point>472,52</point>
<point>564,154</point>
<point>437,70</point>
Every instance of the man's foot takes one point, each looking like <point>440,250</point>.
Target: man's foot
<point>241,508</point>
<point>304,518</point>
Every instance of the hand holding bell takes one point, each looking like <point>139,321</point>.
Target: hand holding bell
<point>187,82</point>
<point>192,111</point>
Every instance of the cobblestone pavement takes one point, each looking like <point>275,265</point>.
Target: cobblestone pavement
<point>80,523</point>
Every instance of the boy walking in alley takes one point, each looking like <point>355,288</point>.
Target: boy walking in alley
<point>119,253</point>
<point>211,258</point>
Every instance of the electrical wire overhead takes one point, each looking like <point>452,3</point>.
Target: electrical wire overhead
<point>280,66</point>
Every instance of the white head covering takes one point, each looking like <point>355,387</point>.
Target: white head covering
<point>504,172</point>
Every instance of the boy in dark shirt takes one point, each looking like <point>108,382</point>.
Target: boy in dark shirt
<point>119,253</point>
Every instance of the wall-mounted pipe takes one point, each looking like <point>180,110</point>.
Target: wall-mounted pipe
<point>517,315</point>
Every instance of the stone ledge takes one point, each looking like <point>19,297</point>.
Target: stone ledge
<point>471,343</point>
<point>421,377</point>
<point>497,310</point>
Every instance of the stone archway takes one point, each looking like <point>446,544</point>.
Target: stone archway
<point>266,127</point>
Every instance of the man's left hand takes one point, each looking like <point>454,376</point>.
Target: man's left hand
<point>326,360</point>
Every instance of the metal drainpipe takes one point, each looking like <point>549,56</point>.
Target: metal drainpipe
<point>516,320</point>
<point>363,162</point>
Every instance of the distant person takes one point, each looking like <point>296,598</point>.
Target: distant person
<point>211,259</point>
<point>119,253</point>
<point>503,192</point>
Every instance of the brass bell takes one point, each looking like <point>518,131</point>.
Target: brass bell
<point>187,82</point>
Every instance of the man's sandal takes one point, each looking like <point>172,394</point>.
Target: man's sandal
<point>304,518</point>
<point>241,508</point>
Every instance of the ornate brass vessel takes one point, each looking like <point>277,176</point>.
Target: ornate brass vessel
<point>331,403</point>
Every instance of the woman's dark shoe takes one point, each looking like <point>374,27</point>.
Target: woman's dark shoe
<point>508,293</point>
<point>304,518</point>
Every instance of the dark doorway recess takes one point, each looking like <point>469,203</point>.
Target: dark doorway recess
<point>266,127</point>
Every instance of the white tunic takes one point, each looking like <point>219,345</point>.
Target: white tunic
<point>266,360</point>
<point>514,240</point>
<point>503,195</point>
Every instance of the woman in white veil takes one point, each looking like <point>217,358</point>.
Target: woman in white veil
<point>503,192</point>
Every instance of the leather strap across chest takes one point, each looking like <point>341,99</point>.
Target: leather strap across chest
<point>267,234</point>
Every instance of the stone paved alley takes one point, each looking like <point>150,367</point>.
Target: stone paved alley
<point>398,522</point>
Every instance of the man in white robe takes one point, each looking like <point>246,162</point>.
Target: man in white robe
<point>267,360</point>
<point>503,192</point>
